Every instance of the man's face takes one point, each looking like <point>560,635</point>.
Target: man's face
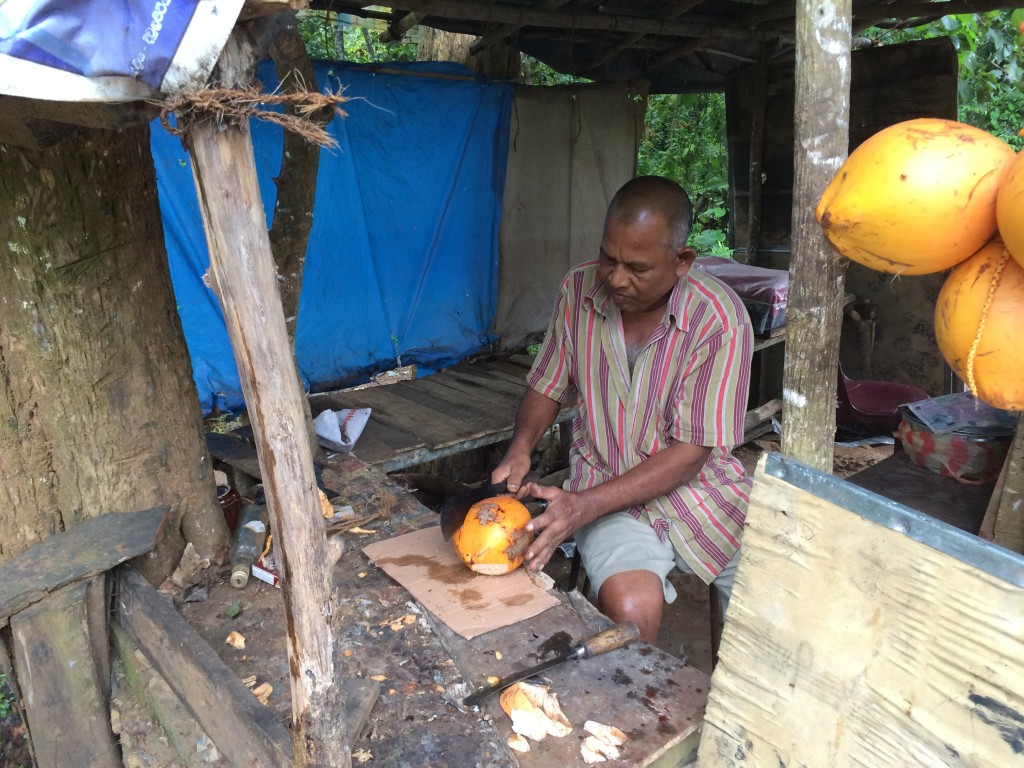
<point>638,264</point>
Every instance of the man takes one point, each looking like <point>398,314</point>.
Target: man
<point>658,355</point>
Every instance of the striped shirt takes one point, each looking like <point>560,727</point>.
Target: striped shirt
<point>688,385</point>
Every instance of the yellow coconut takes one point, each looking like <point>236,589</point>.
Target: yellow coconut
<point>1010,209</point>
<point>493,538</point>
<point>983,300</point>
<point>917,197</point>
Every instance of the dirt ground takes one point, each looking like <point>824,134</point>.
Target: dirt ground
<point>155,732</point>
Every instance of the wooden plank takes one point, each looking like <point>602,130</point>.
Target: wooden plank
<point>233,451</point>
<point>640,689</point>
<point>863,633</point>
<point>435,428</point>
<point>497,408</point>
<point>245,731</point>
<point>469,422</point>
<point>93,546</point>
<point>943,498</point>
<point>1009,523</point>
<point>66,710</point>
<point>491,382</point>
<point>512,368</point>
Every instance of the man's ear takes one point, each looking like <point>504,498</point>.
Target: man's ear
<point>686,256</point>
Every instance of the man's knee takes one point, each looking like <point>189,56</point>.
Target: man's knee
<point>635,596</point>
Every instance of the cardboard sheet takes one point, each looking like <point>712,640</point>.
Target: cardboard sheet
<point>469,603</point>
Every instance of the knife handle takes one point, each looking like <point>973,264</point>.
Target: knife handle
<point>610,639</point>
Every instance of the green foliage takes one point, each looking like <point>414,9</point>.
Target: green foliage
<point>6,701</point>
<point>684,140</point>
<point>990,57</point>
<point>330,38</point>
<point>536,72</point>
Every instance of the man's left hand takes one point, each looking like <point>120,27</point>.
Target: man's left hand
<point>564,515</point>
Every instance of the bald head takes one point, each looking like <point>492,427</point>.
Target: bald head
<point>654,196</point>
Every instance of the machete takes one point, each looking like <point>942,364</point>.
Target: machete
<point>609,640</point>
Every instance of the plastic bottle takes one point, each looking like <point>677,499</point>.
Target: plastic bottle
<point>247,546</point>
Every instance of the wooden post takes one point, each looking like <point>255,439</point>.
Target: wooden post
<point>1009,523</point>
<point>243,274</point>
<point>63,681</point>
<point>816,272</point>
<point>757,119</point>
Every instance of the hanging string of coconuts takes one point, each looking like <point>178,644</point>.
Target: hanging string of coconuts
<point>927,195</point>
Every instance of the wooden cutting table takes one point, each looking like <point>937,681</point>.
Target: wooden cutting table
<point>423,669</point>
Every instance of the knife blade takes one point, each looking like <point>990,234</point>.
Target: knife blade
<point>608,640</point>
<point>453,510</point>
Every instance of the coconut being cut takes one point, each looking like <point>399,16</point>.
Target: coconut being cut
<point>493,538</point>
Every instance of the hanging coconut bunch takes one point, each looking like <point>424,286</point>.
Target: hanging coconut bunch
<point>493,538</point>
<point>917,197</point>
<point>979,319</point>
<point>928,195</point>
<point>1010,208</point>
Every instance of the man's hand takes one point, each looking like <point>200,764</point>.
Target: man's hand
<point>513,469</point>
<point>565,514</point>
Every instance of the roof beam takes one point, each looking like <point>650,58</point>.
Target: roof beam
<point>504,30</point>
<point>670,11</point>
<point>499,13</point>
<point>397,29</point>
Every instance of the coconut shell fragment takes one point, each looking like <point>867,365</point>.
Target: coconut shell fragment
<point>535,711</point>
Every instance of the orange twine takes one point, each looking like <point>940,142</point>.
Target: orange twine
<point>984,316</point>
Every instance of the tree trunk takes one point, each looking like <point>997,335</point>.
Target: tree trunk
<point>98,410</point>
<point>499,61</point>
<point>816,273</point>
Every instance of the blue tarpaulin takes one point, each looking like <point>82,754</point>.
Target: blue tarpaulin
<point>402,262</point>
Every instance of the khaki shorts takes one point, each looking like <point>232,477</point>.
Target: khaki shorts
<point>619,542</point>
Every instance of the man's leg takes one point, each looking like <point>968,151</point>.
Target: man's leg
<point>724,581</point>
<point>627,564</point>
<point>635,596</point>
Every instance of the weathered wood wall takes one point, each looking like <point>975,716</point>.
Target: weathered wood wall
<point>862,633</point>
<point>889,84</point>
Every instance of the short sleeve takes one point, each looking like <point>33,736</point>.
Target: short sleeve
<point>551,373</point>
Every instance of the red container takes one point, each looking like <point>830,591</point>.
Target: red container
<point>873,407</point>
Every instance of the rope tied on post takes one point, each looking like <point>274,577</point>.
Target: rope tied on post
<point>232,106</point>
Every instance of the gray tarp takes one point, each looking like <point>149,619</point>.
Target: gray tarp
<point>570,149</point>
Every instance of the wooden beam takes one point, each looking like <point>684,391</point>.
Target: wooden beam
<point>93,546</point>
<point>40,123</point>
<point>506,14</point>
<point>758,107</point>
<point>504,30</point>
<point>816,274</point>
<point>66,706</point>
<point>253,9</point>
<point>675,54</point>
<point>243,275</point>
<point>397,30</point>
<point>671,10</point>
<point>245,731</point>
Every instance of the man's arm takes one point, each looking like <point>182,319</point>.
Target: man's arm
<point>536,414</point>
<point>663,472</point>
